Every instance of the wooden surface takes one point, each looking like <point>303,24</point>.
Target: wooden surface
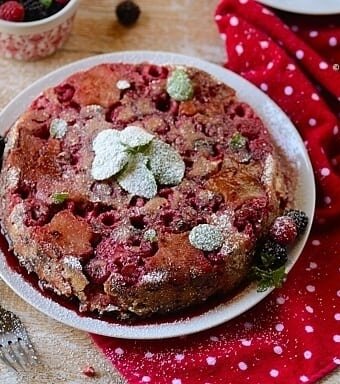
<point>184,26</point>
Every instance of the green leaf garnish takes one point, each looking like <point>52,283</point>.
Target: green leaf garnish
<point>179,85</point>
<point>58,128</point>
<point>206,237</point>
<point>267,278</point>
<point>237,142</point>
<point>137,179</point>
<point>165,163</point>
<point>134,136</point>
<point>59,197</point>
<point>46,3</point>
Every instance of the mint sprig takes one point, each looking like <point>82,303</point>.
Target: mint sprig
<point>268,278</point>
<point>60,197</point>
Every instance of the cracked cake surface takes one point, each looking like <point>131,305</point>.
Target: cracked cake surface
<point>86,235</point>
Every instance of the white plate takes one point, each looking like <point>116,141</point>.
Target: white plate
<point>311,7</point>
<point>285,136</point>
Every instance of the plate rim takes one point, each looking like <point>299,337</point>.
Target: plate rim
<point>303,6</point>
<point>163,330</point>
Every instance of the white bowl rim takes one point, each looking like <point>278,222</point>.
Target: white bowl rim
<point>214,316</point>
<point>22,25</point>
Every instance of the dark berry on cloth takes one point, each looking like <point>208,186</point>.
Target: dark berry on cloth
<point>300,219</point>
<point>127,12</point>
<point>12,11</point>
<point>283,230</point>
<point>273,255</point>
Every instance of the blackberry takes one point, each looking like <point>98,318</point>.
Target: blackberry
<point>273,255</point>
<point>300,219</point>
<point>127,12</point>
<point>34,10</point>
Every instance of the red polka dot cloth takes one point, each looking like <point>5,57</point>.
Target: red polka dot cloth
<point>293,336</point>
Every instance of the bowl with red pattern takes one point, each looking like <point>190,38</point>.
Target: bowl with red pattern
<point>33,29</point>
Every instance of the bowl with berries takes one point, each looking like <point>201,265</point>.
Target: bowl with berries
<point>33,29</point>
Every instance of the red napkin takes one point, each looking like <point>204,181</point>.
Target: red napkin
<point>293,336</point>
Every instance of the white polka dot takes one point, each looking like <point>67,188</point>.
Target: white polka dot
<point>279,327</point>
<point>291,67</point>
<point>288,90</point>
<point>299,54</point>
<point>179,357</point>
<point>243,1</point>
<point>310,288</point>
<point>332,41</point>
<point>338,293</point>
<point>309,329</point>
<point>264,87</point>
<point>335,130</point>
<point>274,373</point>
<point>313,33</point>
<point>218,17</point>
<point>233,21</point>
<point>280,300</point>
<point>214,338</point>
<point>315,97</point>
<point>323,65</point>
<point>246,342</point>
<point>294,28</point>
<point>248,325</point>
<point>309,309</point>
<point>148,355</point>
<point>337,316</point>
<point>176,381</point>
<point>336,338</point>
<point>312,122</point>
<point>336,360</point>
<point>266,12</point>
<point>146,379</point>
<point>211,360</point>
<point>119,351</point>
<point>307,355</point>
<point>312,265</point>
<point>327,200</point>
<point>325,171</point>
<point>239,49</point>
<point>304,379</point>
<point>242,365</point>
<point>223,36</point>
<point>270,65</point>
<point>278,350</point>
<point>316,243</point>
<point>264,44</point>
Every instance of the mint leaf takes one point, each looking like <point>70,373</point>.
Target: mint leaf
<point>237,142</point>
<point>268,278</point>
<point>46,3</point>
<point>179,85</point>
<point>59,197</point>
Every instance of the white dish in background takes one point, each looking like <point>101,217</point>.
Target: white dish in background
<point>284,134</point>
<point>307,7</point>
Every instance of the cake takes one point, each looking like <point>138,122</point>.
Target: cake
<point>139,189</point>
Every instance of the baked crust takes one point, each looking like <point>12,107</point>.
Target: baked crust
<point>92,246</point>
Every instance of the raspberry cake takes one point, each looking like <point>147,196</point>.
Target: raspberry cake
<point>142,189</point>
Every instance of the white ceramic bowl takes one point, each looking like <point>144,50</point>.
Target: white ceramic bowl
<point>34,40</point>
<point>283,133</point>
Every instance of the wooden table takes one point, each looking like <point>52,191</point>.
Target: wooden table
<point>184,26</point>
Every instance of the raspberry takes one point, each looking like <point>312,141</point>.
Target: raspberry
<point>273,255</point>
<point>89,371</point>
<point>12,11</point>
<point>127,12</point>
<point>260,148</point>
<point>283,230</point>
<point>300,219</point>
